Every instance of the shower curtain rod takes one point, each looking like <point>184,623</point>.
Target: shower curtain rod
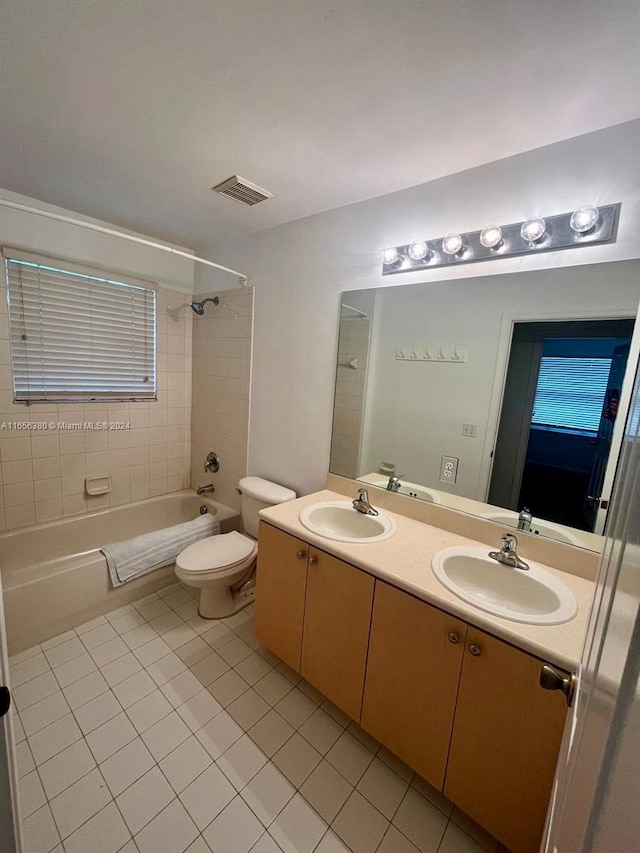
<point>113,233</point>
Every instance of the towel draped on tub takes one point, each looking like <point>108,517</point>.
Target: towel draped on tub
<point>142,554</point>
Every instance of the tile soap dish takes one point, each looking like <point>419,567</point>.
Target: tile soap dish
<point>99,485</point>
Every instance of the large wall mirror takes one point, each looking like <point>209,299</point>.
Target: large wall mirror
<point>503,396</point>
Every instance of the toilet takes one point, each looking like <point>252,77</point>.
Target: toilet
<point>222,567</point>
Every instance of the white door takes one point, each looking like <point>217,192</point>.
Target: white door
<point>10,836</point>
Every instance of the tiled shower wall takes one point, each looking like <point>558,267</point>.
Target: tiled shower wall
<point>44,471</point>
<point>221,376</point>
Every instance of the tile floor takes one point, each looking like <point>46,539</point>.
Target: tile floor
<point>150,730</point>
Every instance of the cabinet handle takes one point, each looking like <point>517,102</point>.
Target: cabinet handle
<point>474,649</point>
<point>551,679</point>
<point>312,561</point>
<point>453,637</point>
<point>301,554</point>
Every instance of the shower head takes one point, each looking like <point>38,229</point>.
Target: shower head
<point>198,307</point>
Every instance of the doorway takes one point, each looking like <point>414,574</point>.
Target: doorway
<point>558,413</point>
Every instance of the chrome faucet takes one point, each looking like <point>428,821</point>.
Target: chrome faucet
<point>361,503</point>
<point>394,482</point>
<point>524,519</point>
<point>205,490</point>
<point>508,554</point>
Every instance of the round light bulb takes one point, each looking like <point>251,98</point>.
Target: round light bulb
<point>390,256</point>
<point>419,250</point>
<point>452,244</point>
<point>491,236</point>
<point>585,219</point>
<point>533,230</point>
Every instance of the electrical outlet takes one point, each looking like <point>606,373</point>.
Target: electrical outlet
<point>449,469</point>
<point>469,430</point>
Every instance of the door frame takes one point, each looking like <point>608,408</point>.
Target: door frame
<point>540,315</point>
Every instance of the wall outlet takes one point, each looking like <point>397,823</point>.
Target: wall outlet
<point>469,430</point>
<point>449,469</point>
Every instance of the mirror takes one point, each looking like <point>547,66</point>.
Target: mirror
<point>503,396</point>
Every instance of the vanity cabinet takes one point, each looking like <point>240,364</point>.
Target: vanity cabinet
<point>413,670</point>
<point>314,612</point>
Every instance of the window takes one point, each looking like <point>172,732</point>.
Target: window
<point>78,334</point>
<point>570,392</point>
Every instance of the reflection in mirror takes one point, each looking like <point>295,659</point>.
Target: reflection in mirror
<point>504,396</point>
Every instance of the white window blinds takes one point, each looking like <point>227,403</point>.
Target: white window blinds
<point>570,392</point>
<point>78,334</point>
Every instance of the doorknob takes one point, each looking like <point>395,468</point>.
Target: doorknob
<point>593,499</point>
<point>5,700</point>
<point>551,679</point>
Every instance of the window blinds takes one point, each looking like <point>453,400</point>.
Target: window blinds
<point>570,392</point>
<point>78,335</point>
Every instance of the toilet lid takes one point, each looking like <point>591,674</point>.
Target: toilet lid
<point>216,552</point>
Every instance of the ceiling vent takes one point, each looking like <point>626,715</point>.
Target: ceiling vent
<point>242,190</point>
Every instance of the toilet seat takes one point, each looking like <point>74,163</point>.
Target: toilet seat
<point>216,554</point>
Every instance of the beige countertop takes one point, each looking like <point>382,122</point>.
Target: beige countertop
<point>404,560</point>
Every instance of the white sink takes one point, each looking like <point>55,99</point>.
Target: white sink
<point>534,596</point>
<point>338,520</point>
<point>543,528</point>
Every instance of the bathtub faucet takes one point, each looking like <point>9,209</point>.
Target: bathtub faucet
<point>205,490</point>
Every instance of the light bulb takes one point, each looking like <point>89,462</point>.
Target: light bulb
<point>585,219</point>
<point>452,244</point>
<point>390,256</point>
<point>491,236</point>
<point>419,250</point>
<point>533,230</point>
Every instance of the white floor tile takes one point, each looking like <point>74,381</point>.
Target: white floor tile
<point>105,832</point>
<point>108,652</point>
<point>218,734</point>
<point>58,640</point>
<point>18,731</point>
<point>120,669</point>
<point>235,830</point>
<point>43,713</point>
<point>120,611</point>
<point>65,652</point>
<point>403,770</point>
<point>139,636</point>
<point>295,707</point>
<point>25,670</point>
<point>396,842</point>
<point>310,691</point>
<point>273,687</point>
<point>148,711</point>
<point>166,668</point>
<point>207,796</point>
<point>457,841</point>
<point>271,732</point>
<point>133,688</point>
<point>199,710</point>
<point>85,689</point>
<point>298,828</point>
<point>248,708</point>
<point>349,757</point>
<point>289,673</point>
<point>179,636</point>
<point>266,844</point>
<point>98,636</point>
<point>89,626</point>
<point>427,790</point>
<point>32,795</point>
<point>360,825</point>
<point>152,651</point>
<point>35,690</point>
<point>24,655</point>
<point>181,688</point>
<point>364,737</point>
<point>297,759</point>
<point>110,737</point>
<point>234,651</point>
<point>172,831</point>
<point>253,668</point>
<point>78,803</point>
<point>421,822</point>
<point>241,762</point>
<point>127,622</point>
<point>66,768</point>
<point>217,636</point>
<point>198,846</point>
<point>268,793</point>
<point>74,669</point>
<point>382,787</point>
<point>486,841</point>
<point>24,759</point>
<point>326,790</point>
<point>321,730</point>
<point>166,735</point>
<point>185,764</point>
<point>175,599</point>
<point>97,711</point>
<point>143,800</point>
<point>228,687</point>
<point>153,609</point>
<point>193,651</point>
<point>39,832</point>
<point>188,611</point>
<point>165,622</point>
<point>126,766</point>
<point>54,738</point>
<point>332,844</point>
<point>210,667</point>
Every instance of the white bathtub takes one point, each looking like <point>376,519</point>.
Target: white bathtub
<point>54,577</point>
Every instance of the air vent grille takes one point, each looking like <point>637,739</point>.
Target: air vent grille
<point>242,190</point>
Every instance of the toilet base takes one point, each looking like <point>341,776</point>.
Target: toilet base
<point>218,603</point>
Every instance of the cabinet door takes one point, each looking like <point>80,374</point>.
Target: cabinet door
<point>413,670</point>
<point>336,630</point>
<point>505,742</point>
<point>280,589</point>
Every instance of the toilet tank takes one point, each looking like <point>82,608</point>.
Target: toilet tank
<point>256,495</point>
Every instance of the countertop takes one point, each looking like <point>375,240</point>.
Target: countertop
<point>404,560</point>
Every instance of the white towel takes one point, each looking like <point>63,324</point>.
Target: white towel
<point>142,554</point>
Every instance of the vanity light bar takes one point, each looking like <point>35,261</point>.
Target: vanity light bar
<point>582,227</point>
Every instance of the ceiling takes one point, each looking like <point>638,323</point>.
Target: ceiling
<point>130,110</point>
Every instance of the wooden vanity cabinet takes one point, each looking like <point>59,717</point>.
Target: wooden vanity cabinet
<point>505,742</point>
<point>413,670</point>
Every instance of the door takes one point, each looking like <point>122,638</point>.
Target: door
<point>505,743</point>
<point>281,582</point>
<point>10,836</point>
<point>413,670</point>
<point>337,618</point>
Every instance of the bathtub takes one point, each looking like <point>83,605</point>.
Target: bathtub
<point>54,577</point>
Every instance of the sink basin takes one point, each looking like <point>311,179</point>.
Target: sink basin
<point>543,528</point>
<point>534,596</point>
<point>338,520</point>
